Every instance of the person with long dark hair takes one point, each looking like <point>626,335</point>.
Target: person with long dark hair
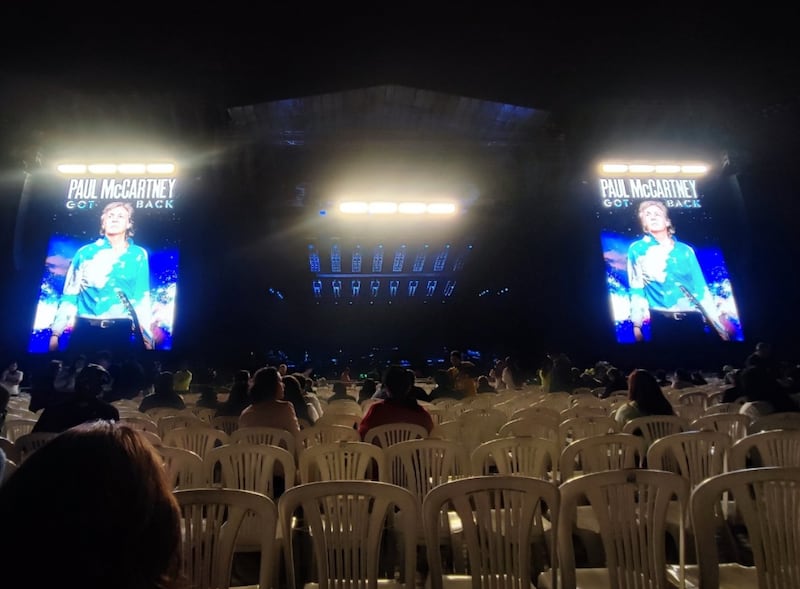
<point>645,397</point>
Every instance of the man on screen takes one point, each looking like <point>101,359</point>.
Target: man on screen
<point>667,285</point>
<point>106,298</point>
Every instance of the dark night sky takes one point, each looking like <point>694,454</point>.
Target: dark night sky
<point>566,61</point>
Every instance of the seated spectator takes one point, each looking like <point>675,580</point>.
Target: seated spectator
<point>368,388</point>
<point>11,379</point>
<point>661,378</point>
<point>484,386</point>
<point>760,385</point>
<point>208,397</point>
<point>736,391</point>
<point>294,394</point>
<point>645,397</point>
<point>340,393</point>
<point>82,405</point>
<point>91,509</point>
<point>309,394</point>
<point>268,407</point>
<point>697,378</point>
<point>614,381</point>
<point>416,391</point>
<point>237,399</point>
<point>182,380</point>
<point>682,379</point>
<point>164,394</point>
<point>444,387</point>
<point>400,406</point>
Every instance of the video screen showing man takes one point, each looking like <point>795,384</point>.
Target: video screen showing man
<point>105,302</point>
<point>668,290</point>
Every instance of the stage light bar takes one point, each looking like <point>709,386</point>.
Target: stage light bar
<point>647,168</point>
<point>403,208</point>
<point>109,168</point>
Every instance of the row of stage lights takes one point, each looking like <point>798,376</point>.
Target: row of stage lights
<point>392,208</point>
<point>688,169</point>
<point>109,169</point>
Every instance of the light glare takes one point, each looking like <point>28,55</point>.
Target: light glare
<point>354,207</point>
<point>102,168</point>
<point>641,168</point>
<point>614,168</point>
<point>667,169</point>
<point>694,169</point>
<point>412,208</point>
<point>131,168</point>
<point>71,168</point>
<point>162,168</point>
<point>382,208</point>
<point>441,208</point>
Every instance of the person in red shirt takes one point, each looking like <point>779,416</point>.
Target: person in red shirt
<point>400,406</point>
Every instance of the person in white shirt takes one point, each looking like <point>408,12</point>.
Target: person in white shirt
<point>11,379</point>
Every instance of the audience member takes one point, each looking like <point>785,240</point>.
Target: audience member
<point>294,394</point>
<point>82,405</point>
<point>182,380</point>
<point>512,375</point>
<point>340,393</point>
<point>368,388</point>
<point>309,394</point>
<point>682,379</point>
<point>237,399</point>
<point>661,378</point>
<point>400,406</point>
<point>484,386</point>
<point>91,509</point>
<point>416,391</point>
<point>164,394</point>
<point>614,381</point>
<point>645,397</point>
<point>444,387</point>
<point>11,379</point>
<point>461,375</point>
<point>268,408</point>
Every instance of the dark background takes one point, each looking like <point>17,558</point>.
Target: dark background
<point>717,83</point>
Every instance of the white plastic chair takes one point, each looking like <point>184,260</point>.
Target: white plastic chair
<point>534,425</point>
<point>501,528</point>
<point>27,444</point>
<point>199,439</point>
<point>767,448</point>
<point>781,420</point>
<point>184,467</point>
<point>226,423</point>
<point>343,460</point>
<point>768,502</point>
<point>733,424</point>
<point>630,506</point>
<point>211,520</point>
<point>652,427</point>
<point>585,426</point>
<point>346,524</point>
<point>325,434</point>
<point>272,436</point>
<point>14,428</point>
<point>525,455</point>
<point>392,433</point>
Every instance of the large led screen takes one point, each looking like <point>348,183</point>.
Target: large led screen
<point>110,274</point>
<point>666,275</point>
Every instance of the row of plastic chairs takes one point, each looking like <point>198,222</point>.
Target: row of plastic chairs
<point>352,533</point>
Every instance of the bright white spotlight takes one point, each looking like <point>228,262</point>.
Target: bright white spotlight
<point>441,208</point>
<point>71,168</point>
<point>354,207</point>
<point>614,168</point>
<point>103,168</point>
<point>132,168</point>
<point>162,168</point>
<point>382,208</point>
<point>412,208</point>
<point>641,168</point>
<point>694,169</point>
<point>667,169</point>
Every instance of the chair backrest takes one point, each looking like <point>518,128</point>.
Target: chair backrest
<point>344,407</point>
<point>140,422</point>
<point>392,433</point>
<point>526,455</point>
<point>537,426</point>
<point>211,520</point>
<point>157,413</point>
<point>184,467</point>
<point>420,465</point>
<point>250,467</point>
<point>272,436</point>
<point>480,425</point>
<point>768,448</point>
<point>227,423</point>
<point>585,426</point>
<point>600,453</point>
<point>184,419</point>
<point>578,410</point>
<point>733,424</point>
<point>768,502</point>
<point>447,430</point>
<point>27,444</point>
<point>652,427</point>
<point>11,450</point>
<point>499,541</point>
<point>781,420</point>
<point>197,438</point>
<point>14,428</point>
<point>325,434</point>
<point>540,411</point>
<point>345,522</point>
<point>630,506</point>
<point>696,455</point>
<point>344,460</point>
<point>732,407</point>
